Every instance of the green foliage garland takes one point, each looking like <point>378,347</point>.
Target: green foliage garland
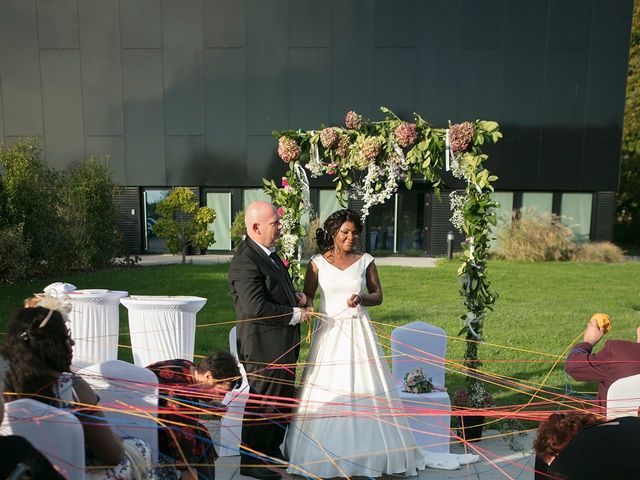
<point>368,160</point>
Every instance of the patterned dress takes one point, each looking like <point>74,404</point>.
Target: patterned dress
<point>136,463</point>
<point>183,439</point>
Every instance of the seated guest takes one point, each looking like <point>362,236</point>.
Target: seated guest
<point>617,359</point>
<point>17,453</point>
<point>187,391</point>
<point>581,446</point>
<point>38,347</point>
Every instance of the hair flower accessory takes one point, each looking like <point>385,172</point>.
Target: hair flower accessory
<point>417,382</point>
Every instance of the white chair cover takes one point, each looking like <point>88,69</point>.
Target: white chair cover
<point>55,432</point>
<point>95,324</point>
<point>129,396</point>
<point>623,397</point>
<point>235,400</point>
<point>162,328</point>
<point>421,345</point>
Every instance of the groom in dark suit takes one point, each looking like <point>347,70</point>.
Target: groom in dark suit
<point>268,312</point>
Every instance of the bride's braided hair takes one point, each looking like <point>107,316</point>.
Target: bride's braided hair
<point>324,236</point>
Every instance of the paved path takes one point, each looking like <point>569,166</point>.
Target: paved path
<point>420,262</point>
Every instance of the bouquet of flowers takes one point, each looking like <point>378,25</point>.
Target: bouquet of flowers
<point>474,397</point>
<point>416,382</point>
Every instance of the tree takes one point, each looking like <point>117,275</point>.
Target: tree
<point>91,214</point>
<point>628,206</point>
<point>182,223</point>
<point>30,197</point>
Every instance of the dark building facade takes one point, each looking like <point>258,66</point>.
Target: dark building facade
<point>187,93</point>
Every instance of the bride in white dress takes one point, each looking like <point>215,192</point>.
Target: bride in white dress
<point>348,422</point>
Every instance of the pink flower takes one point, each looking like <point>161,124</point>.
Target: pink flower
<point>353,120</point>
<point>328,137</point>
<point>371,147</point>
<point>460,136</point>
<point>343,146</point>
<point>280,211</point>
<point>406,134</point>
<point>285,262</point>
<point>285,182</point>
<point>288,149</point>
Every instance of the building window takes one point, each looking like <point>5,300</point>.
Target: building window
<point>541,202</point>
<point>221,226</point>
<point>504,213</point>
<point>327,204</point>
<point>251,195</point>
<point>152,196</point>
<point>576,214</point>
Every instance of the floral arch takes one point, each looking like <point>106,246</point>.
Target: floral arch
<point>368,160</point>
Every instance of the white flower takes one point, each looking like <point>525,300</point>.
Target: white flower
<point>289,244</point>
<point>457,205</point>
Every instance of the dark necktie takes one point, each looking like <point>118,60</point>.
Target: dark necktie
<point>274,256</point>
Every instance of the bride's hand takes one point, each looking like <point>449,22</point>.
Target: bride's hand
<point>354,300</point>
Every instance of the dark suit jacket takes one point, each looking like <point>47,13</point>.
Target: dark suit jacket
<point>609,450</point>
<point>617,359</point>
<point>262,292</point>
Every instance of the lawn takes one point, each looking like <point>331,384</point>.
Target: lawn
<point>542,308</point>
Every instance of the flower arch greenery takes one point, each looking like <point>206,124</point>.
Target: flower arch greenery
<point>368,160</point>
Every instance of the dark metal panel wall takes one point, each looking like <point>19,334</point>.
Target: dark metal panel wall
<point>20,69</point>
<point>225,85</point>
<point>130,219</point>
<point>141,24</point>
<point>143,117</point>
<point>62,106</point>
<point>351,58</point>
<point>183,67</point>
<point>604,211</point>
<point>99,27</point>
<point>231,71</point>
<point>441,226</point>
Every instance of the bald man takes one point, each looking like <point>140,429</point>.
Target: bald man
<point>269,312</point>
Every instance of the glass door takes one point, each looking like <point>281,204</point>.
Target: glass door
<point>153,244</point>
<point>221,226</point>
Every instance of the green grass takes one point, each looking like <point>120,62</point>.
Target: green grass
<point>542,308</point>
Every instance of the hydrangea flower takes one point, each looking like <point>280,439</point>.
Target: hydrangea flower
<point>329,137</point>
<point>460,136</point>
<point>406,134</point>
<point>371,147</point>
<point>353,120</point>
<point>343,146</point>
<point>288,149</point>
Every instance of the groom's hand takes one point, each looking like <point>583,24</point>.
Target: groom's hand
<point>302,299</point>
<point>305,314</point>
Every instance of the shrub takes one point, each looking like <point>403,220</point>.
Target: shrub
<point>91,214</point>
<point>238,230</point>
<point>31,192</point>
<point>535,237</point>
<point>598,252</point>
<point>182,223</point>
<point>14,254</point>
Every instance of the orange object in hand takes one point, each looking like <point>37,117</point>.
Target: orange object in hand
<point>603,321</point>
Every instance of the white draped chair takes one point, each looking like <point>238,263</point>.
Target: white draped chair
<point>235,400</point>
<point>55,432</point>
<point>623,397</point>
<point>421,345</point>
<point>129,396</point>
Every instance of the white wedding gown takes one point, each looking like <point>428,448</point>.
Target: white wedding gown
<point>348,423</point>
